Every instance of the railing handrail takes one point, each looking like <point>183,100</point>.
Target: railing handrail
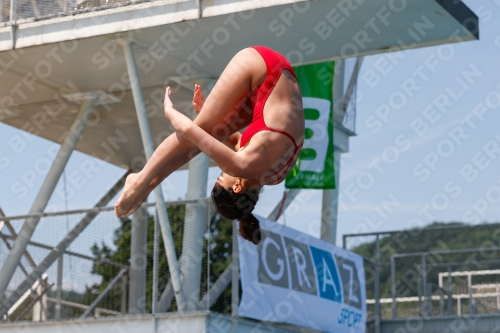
<point>98,209</point>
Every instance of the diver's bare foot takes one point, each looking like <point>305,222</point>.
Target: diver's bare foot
<point>132,191</point>
<point>141,199</point>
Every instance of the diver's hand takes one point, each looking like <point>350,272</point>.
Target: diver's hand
<point>198,99</point>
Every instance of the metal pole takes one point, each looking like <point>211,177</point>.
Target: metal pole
<point>32,304</point>
<point>419,291</point>
<point>281,207</point>
<point>46,191</point>
<point>393,287</point>
<point>377,286</point>
<point>99,298</point>
<point>217,288</point>
<point>441,302</point>
<point>59,287</point>
<point>329,206</point>
<point>498,298</point>
<point>156,250</point>
<point>147,141</point>
<point>12,11</point>
<point>424,283</point>
<point>472,307</point>
<point>352,83</point>
<point>124,295</point>
<point>235,282</point>
<point>14,234</point>
<point>194,230</point>
<point>138,262</point>
<point>58,250</point>
<point>450,293</point>
<point>471,301</point>
<point>209,245</point>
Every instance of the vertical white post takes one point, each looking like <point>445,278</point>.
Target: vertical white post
<point>40,307</point>
<point>138,262</point>
<point>147,141</point>
<point>330,197</point>
<point>156,249</point>
<point>235,281</point>
<point>194,230</point>
<point>329,207</point>
<point>45,192</point>
<point>12,10</point>
<point>498,298</point>
<point>59,287</point>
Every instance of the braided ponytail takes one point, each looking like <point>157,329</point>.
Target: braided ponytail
<point>239,206</point>
<point>250,228</point>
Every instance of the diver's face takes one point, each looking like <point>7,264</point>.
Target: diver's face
<point>228,181</point>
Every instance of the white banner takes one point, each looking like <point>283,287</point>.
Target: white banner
<point>294,278</point>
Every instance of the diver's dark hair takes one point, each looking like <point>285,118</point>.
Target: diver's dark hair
<point>239,206</point>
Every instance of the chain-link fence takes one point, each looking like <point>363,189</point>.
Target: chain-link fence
<point>15,10</point>
<point>92,276</point>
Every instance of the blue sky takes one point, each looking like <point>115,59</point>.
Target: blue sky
<point>426,147</point>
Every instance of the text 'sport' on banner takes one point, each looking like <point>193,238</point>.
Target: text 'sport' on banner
<point>293,278</point>
<point>314,167</point>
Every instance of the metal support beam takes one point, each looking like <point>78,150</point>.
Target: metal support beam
<point>110,286</point>
<point>377,286</point>
<point>40,306</point>
<point>338,91</point>
<point>123,301</point>
<point>58,250</point>
<point>156,250</point>
<point>217,288</point>
<point>235,268</point>
<point>393,286</point>
<point>450,293</point>
<point>138,262</point>
<point>194,229</point>
<point>14,234</point>
<point>282,206</point>
<point>329,205</point>
<point>330,197</point>
<point>59,287</point>
<point>12,10</point>
<point>424,285</point>
<point>46,191</point>
<point>352,83</point>
<point>148,149</point>
<point>32,304</point>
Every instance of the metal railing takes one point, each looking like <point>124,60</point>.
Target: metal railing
<point>20,10</point>
<point>92,277</point>
<point>426,298</point>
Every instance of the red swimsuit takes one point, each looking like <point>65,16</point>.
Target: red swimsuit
<point>275,64</point>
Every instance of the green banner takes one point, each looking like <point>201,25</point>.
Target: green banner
<point>314,167</point>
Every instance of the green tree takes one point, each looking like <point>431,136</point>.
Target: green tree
<point>220,257</point>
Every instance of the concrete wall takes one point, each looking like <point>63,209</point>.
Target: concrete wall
<point>452,324</point>
<point>196,322</point>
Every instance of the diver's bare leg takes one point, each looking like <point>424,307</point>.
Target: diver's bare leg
<point>220,109</point>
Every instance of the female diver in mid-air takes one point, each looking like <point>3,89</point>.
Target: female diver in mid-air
<point>258,89</point>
